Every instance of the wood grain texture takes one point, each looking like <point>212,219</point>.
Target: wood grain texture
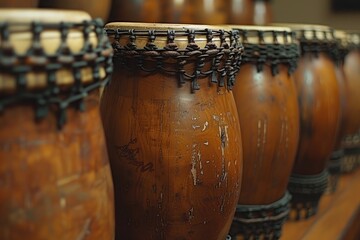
<point>54,183</point>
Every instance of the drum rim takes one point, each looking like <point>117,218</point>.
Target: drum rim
<point>163,26</point>
<point>304,26</point>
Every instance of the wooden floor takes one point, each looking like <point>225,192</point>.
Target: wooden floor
<point>338,214</point>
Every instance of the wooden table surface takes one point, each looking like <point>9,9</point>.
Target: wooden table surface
<point>337,213</point>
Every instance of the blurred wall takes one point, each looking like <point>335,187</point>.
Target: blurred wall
<point>315,12</point>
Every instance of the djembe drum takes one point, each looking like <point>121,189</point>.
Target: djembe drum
<point>172,130</point>
<point>319,105</point>
<point>54,171</point>
<point>266,100</point>
<point>351,141</point>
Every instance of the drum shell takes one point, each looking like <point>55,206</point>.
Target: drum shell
<point>54,182</point>
<point>97,9</point>
<point>269,119</point>
<point>135,11</point>
<point>352,74</point>
<point>319,105</point>
<point>176,156</point>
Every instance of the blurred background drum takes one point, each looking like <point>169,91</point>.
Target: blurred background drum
<point>351,141</point>
<point>319,105</point>
<point>172,130</point>
<point>266,100</point>
<point>97,9</point>
<point>54,170</point>
<point>136,11</point>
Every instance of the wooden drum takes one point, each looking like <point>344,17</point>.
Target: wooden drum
<point>172,130</point>
<point>351,141</point>
<point>54,172</point>
<point>319,105</point>
<point>266,100</point>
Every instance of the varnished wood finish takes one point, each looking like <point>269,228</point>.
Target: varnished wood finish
<point>136,11</point>
<point>18,3</point>
<point>54,183</point>
<point>335,216</point>
<point>94,7</point>
<point>319,104</point>
<point>352,73</point>
<point>176,156</point>
<point>269,119</point>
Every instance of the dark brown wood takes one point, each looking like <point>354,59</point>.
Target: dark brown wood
<point>176,156</point>
<point>319,103</point>
<point>94,7</point>
<point>136,11</point>
<point>352,230</point>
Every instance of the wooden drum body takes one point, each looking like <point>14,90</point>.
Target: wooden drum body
<point>172,130</point>
<point>351,141</point>
<point>319,105</point>
<point>54,172</point>
<point>266,100</point>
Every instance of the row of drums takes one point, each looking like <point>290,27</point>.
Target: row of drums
<point>168,131</point>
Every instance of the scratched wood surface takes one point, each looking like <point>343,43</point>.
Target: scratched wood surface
<point>269,119</point>
<point>334,219</point>
<point>319,103</point>
<point>54,183</point>
<point>176,156</point>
